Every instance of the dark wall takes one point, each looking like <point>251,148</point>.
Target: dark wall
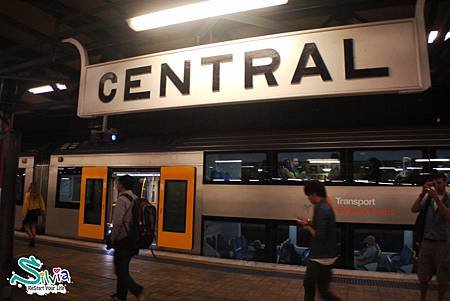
<point>408,110</point>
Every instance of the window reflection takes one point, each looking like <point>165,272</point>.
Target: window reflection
<point>302,166</point>
<point>236,167</point>
<point>390,167</point>
<point>68,189</point>
<point>442,162</point>
<point>236,240</point>
<point>384,250</point>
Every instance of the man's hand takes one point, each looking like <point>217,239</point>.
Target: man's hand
<point>302,221</point>
<point>433,194</point>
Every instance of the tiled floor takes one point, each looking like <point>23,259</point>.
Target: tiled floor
<point>94,279</point>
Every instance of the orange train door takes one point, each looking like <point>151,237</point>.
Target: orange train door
<point>176,207</point>
<point>91,219</point>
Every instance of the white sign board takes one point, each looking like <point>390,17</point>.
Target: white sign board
<point>382,57</point>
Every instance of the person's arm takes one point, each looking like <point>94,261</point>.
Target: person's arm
<point>42,204</point>
<point>307,225</point>
<point>418,203</point>
<point>118,215</point>
<point>443,210</point>
<point>26,203</point>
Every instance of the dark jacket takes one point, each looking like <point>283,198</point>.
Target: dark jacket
<point>323,244</point>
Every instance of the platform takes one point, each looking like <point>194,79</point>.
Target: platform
<point>173,276</point>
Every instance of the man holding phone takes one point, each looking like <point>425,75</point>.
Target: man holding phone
<point>434,254</point>
<point>323,254</point>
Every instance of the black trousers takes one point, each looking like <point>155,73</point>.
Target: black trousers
<point>318,275</point>
<point>125,283</point>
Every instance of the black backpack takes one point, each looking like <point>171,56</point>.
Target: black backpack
<point>143,227</point>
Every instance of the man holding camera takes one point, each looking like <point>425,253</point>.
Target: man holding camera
<point>434,255</point>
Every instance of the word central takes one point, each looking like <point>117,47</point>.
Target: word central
<point>309,52</point>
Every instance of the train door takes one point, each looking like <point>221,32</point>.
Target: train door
<point>147,186</point>
<point>91,219</point>
<point>176,207</point>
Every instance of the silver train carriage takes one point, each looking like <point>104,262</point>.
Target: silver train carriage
<point>237,196</point>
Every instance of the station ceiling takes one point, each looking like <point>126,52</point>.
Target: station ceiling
<point>31,52</point>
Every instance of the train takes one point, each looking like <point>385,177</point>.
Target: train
<point>237,196</point>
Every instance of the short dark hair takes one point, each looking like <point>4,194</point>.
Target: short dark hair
<point>126,181</point>
<point>439,175</point>
<point>315,187</point>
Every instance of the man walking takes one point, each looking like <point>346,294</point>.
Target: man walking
<point>323,244</point>
<point>120,241</point>
<point>434,254</point>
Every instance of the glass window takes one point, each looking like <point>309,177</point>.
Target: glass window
<point>442,162</point>
<point>20,186</point>
<point>68,187</point>
<point>292,245</point>
<point>389,167</point>
<point>236,167</point>
<point>93,201</point>
<point>383,250</point>
<point>302,166</point>
<point>236,240</point>
<point>175,194</point>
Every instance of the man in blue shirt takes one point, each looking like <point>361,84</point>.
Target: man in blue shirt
<point>434,255</point>
<point>323,243</point>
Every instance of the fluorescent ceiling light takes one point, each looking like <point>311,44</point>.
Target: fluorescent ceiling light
<point>432,36</point>
<point>447,36</point>
<point>41,89</point>
<point>136,174</point>
<point>228,161</point>
<point>433,160</point>
<point>442,168</point>
<point>47,88</point>
<point>61,86</point>
<point>324,161</point>
<point>197,11</point>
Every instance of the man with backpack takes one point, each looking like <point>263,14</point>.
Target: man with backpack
<point>123,242</point>
<point>433,231</point>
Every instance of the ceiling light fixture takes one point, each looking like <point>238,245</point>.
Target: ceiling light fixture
<point>47,88</point>
<point>432,36</point>
<point>197,11</point>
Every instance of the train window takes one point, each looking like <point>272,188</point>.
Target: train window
<point>389,167</point>
<point>68,187</point>
<point>383,250</point>
<point>236,240</point>
<point>236,168</point>
<point>93,198</point>
<point>302,166</point>
<point>20,186</point>
<point>442,162</point>
<point>292,244</point>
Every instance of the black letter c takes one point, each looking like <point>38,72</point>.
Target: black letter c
<point>101,87</point>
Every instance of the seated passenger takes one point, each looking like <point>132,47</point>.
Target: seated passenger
<point>368,254</point>
<point>259,254</point>
<point>286,170</point>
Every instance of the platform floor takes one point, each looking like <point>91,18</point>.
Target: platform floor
<point>92,272</point>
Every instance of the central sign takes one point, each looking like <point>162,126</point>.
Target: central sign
<point>380,57</point>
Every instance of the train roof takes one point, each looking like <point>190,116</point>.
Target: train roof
<point>425,137</point>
